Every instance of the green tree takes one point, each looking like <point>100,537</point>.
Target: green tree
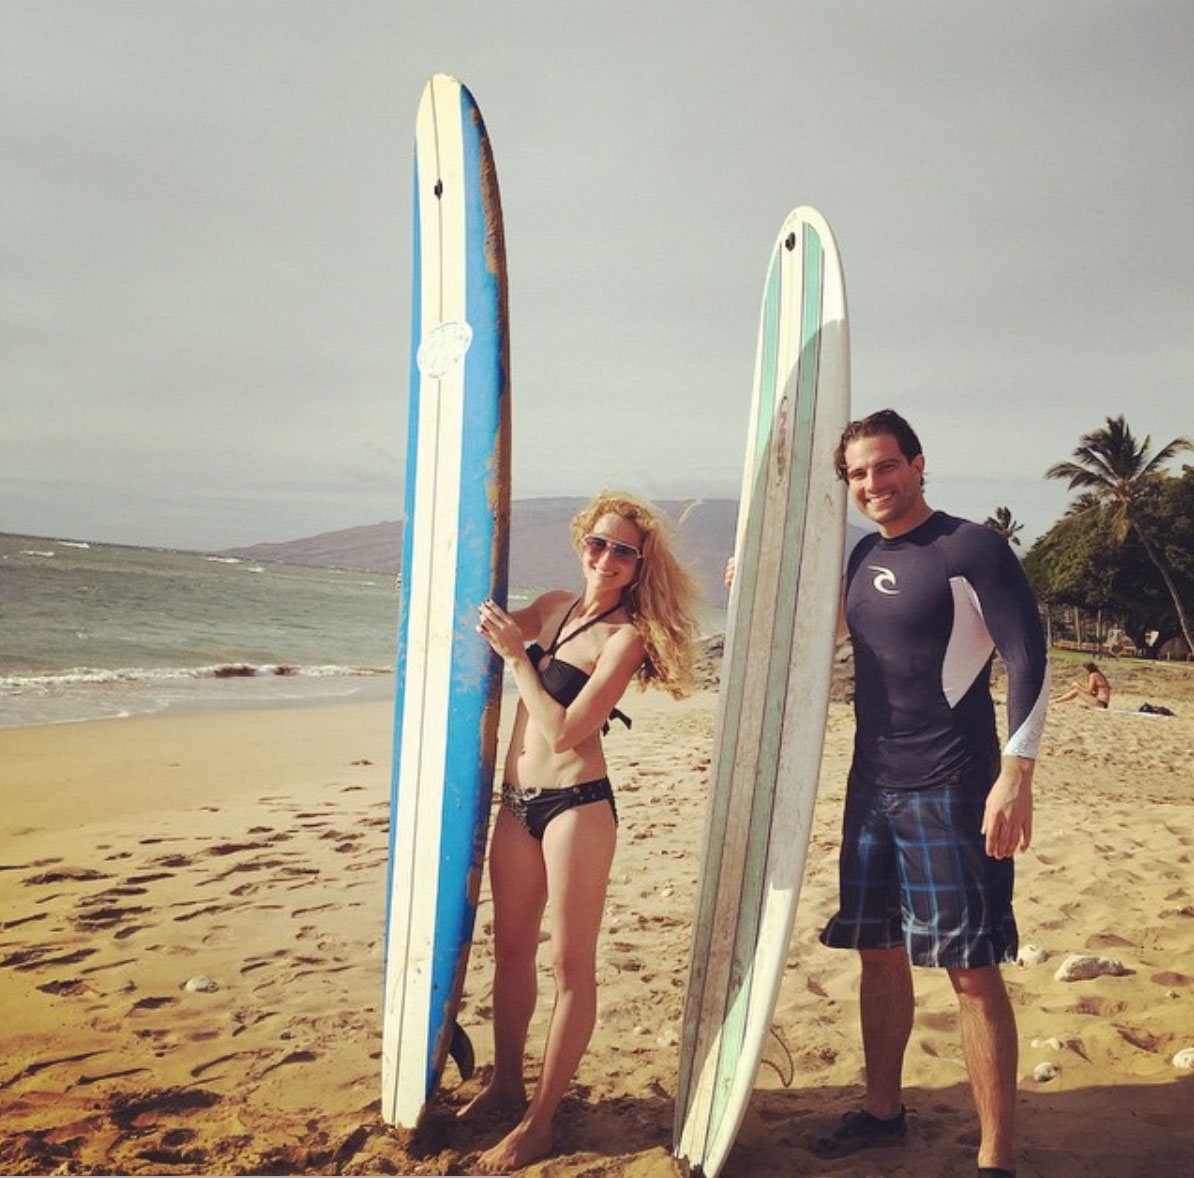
<point>1075,565</point>
<point>1123,481</point>
<point>1003,523</point>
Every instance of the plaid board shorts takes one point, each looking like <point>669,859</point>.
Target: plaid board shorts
<point>914,871</point>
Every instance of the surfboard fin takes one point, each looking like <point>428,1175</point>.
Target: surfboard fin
<point>461,1051</point>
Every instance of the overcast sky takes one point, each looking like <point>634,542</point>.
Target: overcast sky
<point>205,277</point>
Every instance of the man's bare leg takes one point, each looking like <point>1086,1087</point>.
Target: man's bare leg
<point>991,1050</point>
<point>886,1005</point>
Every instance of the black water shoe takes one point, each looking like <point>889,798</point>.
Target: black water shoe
<point>859,1130</point>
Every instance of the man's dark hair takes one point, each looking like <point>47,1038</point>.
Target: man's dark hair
<point>885,421</point>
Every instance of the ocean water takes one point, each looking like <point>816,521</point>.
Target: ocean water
<point>101,631</point>
<point>91,631</point>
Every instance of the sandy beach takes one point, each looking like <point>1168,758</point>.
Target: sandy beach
<point>244,852</point>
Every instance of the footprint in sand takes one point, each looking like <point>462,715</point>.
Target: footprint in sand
<point>200,1070</point>
<point>173,861</point>
<point>254,963</point>
<point>208,910</point>
<point>316,908</point>
<point>67,988</point>
<point>7,925</point>
<point>64,875</point>
<point>293,1058</point>
<point>37,957</point>
<point>222,849</point>
<point>151,1003</point>
<point>42,1065</point>
<point>1141,1040</point>
<point>1097,1007</point>
<point>175,1159</point>
<point>127,1109</point>
<point>105,966</point>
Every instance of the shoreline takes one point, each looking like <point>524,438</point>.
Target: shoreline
<point>183,693</point>
<point>249,846</point>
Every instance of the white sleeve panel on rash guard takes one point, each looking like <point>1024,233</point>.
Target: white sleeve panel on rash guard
<point>1025,741</point>
<point>970,643</point>
<point>1011,615</point>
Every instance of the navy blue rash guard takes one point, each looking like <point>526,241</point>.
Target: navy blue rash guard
<point>926,612</point>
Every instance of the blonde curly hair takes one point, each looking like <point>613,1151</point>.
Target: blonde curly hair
<point>662,601</point>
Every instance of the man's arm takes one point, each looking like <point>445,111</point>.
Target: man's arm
<point>1013,621</point>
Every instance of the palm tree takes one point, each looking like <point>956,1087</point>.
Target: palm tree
<point>1003,523</point>
<point>1087,501</point>
<point>1118,473</point>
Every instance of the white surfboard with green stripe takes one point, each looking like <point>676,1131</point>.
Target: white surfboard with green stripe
<point>780,636</point>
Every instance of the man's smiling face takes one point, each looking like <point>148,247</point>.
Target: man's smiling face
<point>884,485</point>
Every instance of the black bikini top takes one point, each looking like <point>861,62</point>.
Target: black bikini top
<point>561,680</point>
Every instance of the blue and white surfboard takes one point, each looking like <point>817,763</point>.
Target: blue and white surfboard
<point>454,556</point>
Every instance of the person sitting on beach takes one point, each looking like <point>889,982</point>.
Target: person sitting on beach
<point>555,832</point>
<point>1094,693</point>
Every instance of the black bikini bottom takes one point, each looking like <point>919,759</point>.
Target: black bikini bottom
<point>535,808</point>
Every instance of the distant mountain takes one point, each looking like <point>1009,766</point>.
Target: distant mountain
<point>541,554</point>
<point>372,548</point>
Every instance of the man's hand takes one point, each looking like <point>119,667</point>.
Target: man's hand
<point>1007,818</point>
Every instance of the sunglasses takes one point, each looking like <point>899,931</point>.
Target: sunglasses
<point>619,551</point>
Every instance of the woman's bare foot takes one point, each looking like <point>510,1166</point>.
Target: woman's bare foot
<point>524,1144</point>
<point>495,1101</point>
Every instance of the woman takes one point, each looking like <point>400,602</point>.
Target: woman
<point>1094,693</point>
<point>556,828</point>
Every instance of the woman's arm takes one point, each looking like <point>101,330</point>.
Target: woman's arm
<point>564,728</point>
<point>529,619</point>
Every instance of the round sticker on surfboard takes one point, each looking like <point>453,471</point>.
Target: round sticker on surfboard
<point>443,348</point>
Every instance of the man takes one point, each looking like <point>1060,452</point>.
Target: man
<point>935,811</point>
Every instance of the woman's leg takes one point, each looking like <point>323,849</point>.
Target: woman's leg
<point>518,880</point>
<point>578,850</point>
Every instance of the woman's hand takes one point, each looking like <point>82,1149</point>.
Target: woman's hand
<point>500,630</point>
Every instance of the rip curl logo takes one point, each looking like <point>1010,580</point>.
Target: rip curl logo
<point>885,580</point>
